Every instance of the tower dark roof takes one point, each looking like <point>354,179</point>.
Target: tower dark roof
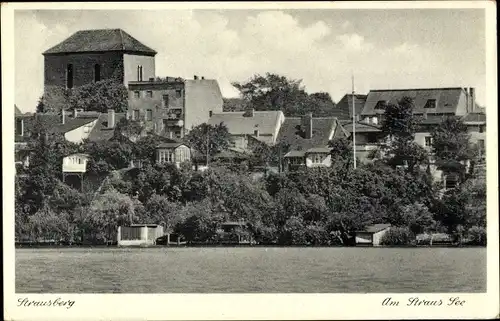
<point>100,40</point>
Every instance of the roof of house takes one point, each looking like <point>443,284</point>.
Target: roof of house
<point>343,109</point>
<point>238,124</point>
<point>296,153</point>
<point>446,99</point>
<point>17,111</point>
<point>170,143</point>
<point>101,131</point>
<point>53,123</point>
<point>99,40</point>
<point>375,228</point>
<point>477,117</point>
<point>292,134</point>
<point>361,127</point>
<point>318,150</point>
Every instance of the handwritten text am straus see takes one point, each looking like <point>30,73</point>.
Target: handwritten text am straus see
<point>417,301</point>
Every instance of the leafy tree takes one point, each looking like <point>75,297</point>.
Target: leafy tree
<point>40,107</point>
<point>451,146</point>
<point>398,236</point>
<point>320,104</point>
<point>100,96</point>
<point>399,125</point>
<point>209,140</point>
<point>162,211</point>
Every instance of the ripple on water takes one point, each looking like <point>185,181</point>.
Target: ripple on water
<point>237,270</point>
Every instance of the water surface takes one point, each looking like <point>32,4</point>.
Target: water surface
<point>238,270</point>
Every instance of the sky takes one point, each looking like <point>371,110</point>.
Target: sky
<point>383,49</point>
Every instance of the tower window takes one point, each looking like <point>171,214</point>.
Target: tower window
<point>69,76</point>
<point>97,72</point>
<point>165,101</point>
<point>139,73</point>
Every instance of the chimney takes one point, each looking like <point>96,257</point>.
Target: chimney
<point>307,126</point>
<point>63,116</point>
<point>202,77</point>
<point>256,133</point>
<point>249,112</point>
<point>75,112</point>
<point>111,118</point>
<point>472,99</point>
<point>195,77</point>
<point>210,113</point>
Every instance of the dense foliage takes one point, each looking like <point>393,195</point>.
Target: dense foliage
<point>276,92</point>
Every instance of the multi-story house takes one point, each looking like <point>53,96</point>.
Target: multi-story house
<point>307,140</point>
<point>172,106</point>
<point>344,108</point>
<point>93,55</point>
<point>263,126</point>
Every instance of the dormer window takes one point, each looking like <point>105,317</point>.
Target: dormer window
<point>381,104</point>
<point>431,103</point>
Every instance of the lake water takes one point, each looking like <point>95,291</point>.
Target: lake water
<point>238,270</point>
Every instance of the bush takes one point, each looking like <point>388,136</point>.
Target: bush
<point>477,235</point>
<point>398,236</point>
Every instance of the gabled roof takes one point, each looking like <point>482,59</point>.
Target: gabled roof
<point>17,111</point>
<point>53,123</point>
<point>375,228</point>
<point>238,124</point>
<point>447,99</point>
<point>295,153</point>
<point>101,131</point>
<point>291,133</point>
<point>99,40</point>
<point>171,144</point>
<point>361,127</point>
<point>343,109</point>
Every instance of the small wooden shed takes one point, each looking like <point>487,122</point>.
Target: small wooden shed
<point>372,234</point>
<point>139,234</point>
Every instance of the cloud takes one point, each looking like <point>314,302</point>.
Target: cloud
<point>214,45</point>
<point>354,42</point>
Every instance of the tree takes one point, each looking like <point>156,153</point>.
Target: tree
<point>451,146</point>
<point>273,92</point>
<point>160,210</point>
<point>342,153</point>
<point>320,104</point>
<point>209,140</point>
<point>100,96</point>
<point>40,107</point>
<point>399,125</point>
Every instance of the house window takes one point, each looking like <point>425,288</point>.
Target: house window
<point>450,181</point>
<point>97,72</point>
<point>431,103</point>
<point>481,128</point>
<point>428,141</point>
<point>139,73</point>
<point>149,115</point>
<point>165,101</point>
<point>19,127</point>
<point>177,133</point>
<point>136,115</point>
<point>69,76</point>
<point>316,158</point>
<point>165,156</point>
<point>149,94</point>
<point>178,93</point>
<point>137,94</point>
<point>381,104</point>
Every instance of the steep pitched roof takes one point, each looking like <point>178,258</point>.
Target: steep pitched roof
<point>375,228</point>
<point>100,40</point>
<point>101,130</point>
<point>361,127</point>
<point>447,99</point>
<point>291,133</point>
<point>343,109</point>
<point>238,124</point>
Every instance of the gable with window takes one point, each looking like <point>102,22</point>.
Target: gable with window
<point>431,103</point>
<point>381,105</point>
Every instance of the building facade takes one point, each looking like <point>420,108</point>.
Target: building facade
<point>172,106</point>
<point>90,56</point>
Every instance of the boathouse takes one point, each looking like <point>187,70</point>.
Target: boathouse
<point>139,234</point>
<point>372,234</point>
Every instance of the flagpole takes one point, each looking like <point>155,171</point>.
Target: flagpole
<point>353,125</point>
